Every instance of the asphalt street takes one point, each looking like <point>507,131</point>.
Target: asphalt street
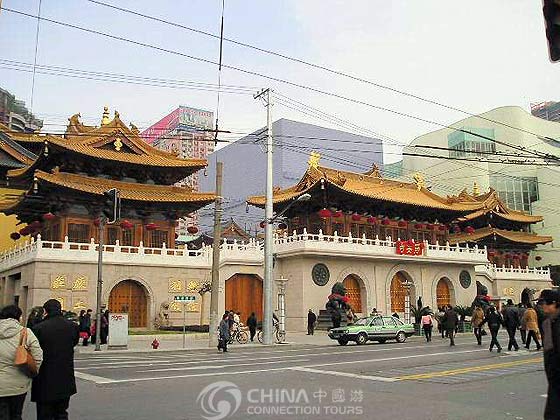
<point>374,381</point>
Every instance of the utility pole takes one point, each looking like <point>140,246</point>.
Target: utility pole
<point>215,290</point>
<point>100,244</point>
<point>267,286</point>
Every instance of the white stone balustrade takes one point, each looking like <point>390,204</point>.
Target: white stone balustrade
<point>373,248</point>
<point>39,250</point>
<point>494,272</point>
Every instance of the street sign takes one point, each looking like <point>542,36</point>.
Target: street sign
<point>184,298</point>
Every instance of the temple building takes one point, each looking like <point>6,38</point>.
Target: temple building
<point>393,243</point>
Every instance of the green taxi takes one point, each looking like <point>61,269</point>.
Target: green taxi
<point>377,328</point>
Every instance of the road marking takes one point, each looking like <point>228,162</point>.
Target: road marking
<point>92,378</point>
<point>345,374</point>
<point>385,359</point>
<point>215,367</point>
<point>466,370</point>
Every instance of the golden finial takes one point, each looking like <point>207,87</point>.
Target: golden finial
<point>419,180</point>
<point>105,118</point>
<point>476,189</point>
<point>117,115</point>
<point>314,159</point>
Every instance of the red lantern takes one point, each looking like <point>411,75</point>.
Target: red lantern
<point>323,213</point>
<point>456,229</point>
<point>97,222</point>
<point>262,224</point>
<point>431,227</point>
<point>507,256</point>
<point>36,224</point>
<point>356,217</point>
<point>442,227</point>
<point>15,236</point>
<point>25,231</point>
<point>516,257</point>
<point>337,214</point>
<point>418,226</point>
<point>538,257</point>
<point>48,216</point>
<point>192,230</point>
<point>402,223</point>
<point>282,226</point>
<point>491,253</point>
<point>385,222</point>
<point>371,220</point>
<point>125,224</point>
<point>469,229</point>
<point>151,226</point>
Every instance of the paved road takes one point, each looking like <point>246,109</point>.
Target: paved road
<point>375,381</point>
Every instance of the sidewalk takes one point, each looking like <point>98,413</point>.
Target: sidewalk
<point>199,341</point>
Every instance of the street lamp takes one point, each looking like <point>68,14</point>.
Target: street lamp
<point>407,285</point>
<point>281,283</point>
<point>303,197</point>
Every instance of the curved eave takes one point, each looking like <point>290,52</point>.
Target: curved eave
<point>512,217</point>
<point>512,236</point>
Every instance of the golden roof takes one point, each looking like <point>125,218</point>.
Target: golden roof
<point>15,151</point>
<point>127,190</point>
<point>491,203</point>
<point>510,235</point>
<point>369,185</point>
<point>111,141</point>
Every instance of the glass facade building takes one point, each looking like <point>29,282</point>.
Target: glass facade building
<point>517,192</point>
<point>462,142</point>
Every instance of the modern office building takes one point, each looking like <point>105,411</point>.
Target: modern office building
<point>15,115</point>
<point>529,188</point>
<point>185,132</point>
<point>546,110</point>
<point>245,164</point>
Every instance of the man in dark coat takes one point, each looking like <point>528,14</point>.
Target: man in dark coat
<point>55,384</point>
<point>511,322</point>
<point>252,324</point>
<point>311,320</point>
<point>550,301</point>
<point>495,321</point>
<point>450,321</point>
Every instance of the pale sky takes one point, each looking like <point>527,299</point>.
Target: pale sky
<point>473,55</point>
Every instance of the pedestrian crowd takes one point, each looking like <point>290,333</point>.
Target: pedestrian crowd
<point>40,358</point>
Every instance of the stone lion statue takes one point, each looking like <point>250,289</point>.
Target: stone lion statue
<point>163,316</point>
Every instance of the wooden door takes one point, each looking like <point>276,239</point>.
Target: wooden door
<point>443,295</point>
<point>354,293</point>
<point>129,297</point>
<point>398,293</point>
<point>244,293</point>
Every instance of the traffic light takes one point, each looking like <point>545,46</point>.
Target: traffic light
<point>551,10</point>
<point>112,205</point>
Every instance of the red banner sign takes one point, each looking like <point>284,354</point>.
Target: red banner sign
<point>410,248</point>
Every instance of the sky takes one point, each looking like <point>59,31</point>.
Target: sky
<point>474,55</point>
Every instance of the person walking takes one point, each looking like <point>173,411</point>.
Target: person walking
<point>104,333</point>
<point>252,324</point>
<point>84,322</point>
<point>494,321</point>
<point>15,381</point>
<point>550,301</point>
<point>511,322</point>
<point>450,321</point>
<point>532,326</point>
<point>439,318</point>
<point>311,320</point>
<point>223,332</point>
<point>476,320</point>
<point>522,330</point>
<point>55,384</point>
<point>427,325</point>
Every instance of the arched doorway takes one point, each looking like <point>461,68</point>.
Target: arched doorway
<point>354,292</point>
<point>244,293</point>
<point>129,296</point>
<point>398,292</point>
<point>443,292</point>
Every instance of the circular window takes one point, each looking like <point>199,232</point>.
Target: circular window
<point>320,274</point>
<point>465,279</point>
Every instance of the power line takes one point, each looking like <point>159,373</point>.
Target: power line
<point>279,80</point>
<point>314,65</point>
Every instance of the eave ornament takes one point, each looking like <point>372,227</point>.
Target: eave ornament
<point>419,180</point>
<point>314,159</point>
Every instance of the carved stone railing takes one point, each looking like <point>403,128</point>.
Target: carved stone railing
<point>494,272</point>
<point>40,250</point>
<point>373,248</point>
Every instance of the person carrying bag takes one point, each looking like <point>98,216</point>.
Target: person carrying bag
<point>20,359</point>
